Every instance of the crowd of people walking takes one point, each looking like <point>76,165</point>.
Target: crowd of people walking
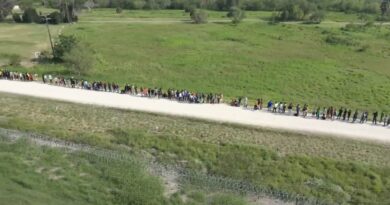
<point>320,113</point>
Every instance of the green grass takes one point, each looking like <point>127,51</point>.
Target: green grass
<point>285,62</point>
<point>34,175</point>
<point>23,40</point>
<point>30,174</point>
<point>282,62</point>
<point>335,170</point>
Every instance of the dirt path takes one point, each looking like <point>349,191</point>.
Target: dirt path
<point>219,113</point>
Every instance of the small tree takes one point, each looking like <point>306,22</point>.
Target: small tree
<point>236,14</point>
<point>30,15</point>
<point>55,17</point>
<point>63,45</point>
<point>79,59</point>
<point>198,16</point>
<point>118,10</point>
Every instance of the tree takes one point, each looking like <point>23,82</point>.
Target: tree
<point>30,15</point>
<point>55,17</point>
<point>385,7</point>
<point>236,14</point>
<point>198,16</point>
<point>79,59</point>
<point>63,45</point>
<point>5,8</point>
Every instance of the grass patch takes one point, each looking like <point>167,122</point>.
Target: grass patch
<point>334,170</point>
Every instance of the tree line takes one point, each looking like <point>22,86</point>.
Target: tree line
<point>366,6</point>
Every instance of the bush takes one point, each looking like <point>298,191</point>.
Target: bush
<point>55,17</point>
<point>15,60</point>
<point>63,45</point>
<point>118,10</point>
<point>236,14</point>
<point>17,18</point>
<point>199,16</point>
<point>363,48</point>
<point>30,15</point>
<point>316,17</point>
<point>339,40</point>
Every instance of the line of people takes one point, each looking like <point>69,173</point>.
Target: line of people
<point>330,113</point>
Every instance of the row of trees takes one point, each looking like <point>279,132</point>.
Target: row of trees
<point>366,6</point>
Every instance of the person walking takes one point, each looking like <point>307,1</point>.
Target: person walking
<point>388,120</point>
<point>345,114</point>
<point>349,114</point>
<point>355,115</point>
<point>298,109</point>
<point>374,119</point>
<point>340,113</point>
<point>246,102</point>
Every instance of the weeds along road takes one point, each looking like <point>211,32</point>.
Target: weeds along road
<point>216,112</point>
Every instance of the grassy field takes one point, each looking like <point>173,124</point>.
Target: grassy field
<point>23,40</point>
<point>31,174</point>
<point>321,65</point>
<point>334,170</point>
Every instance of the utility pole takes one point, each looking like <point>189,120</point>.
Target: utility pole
<point>48,31</point>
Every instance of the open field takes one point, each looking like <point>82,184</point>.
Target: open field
<point>316,64</point>
<point>333,170</point>
<point>23,40</point>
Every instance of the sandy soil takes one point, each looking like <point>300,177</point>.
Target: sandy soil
<point>219,113</point>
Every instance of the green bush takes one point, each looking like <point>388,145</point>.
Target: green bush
<point>55,17</point>
<point>30,15</point>
<point>17,18</point>
<point>63,45</point>
<point>339,40</point>
<point>236,14</point>
<point>199,16</point>
<point>118,10</point>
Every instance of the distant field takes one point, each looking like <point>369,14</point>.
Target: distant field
<point>285,62</point>
<point>334,170</point>
<point>23,40</point>
<point>282,62</point>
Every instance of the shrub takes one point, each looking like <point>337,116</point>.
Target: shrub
<point>17,18</point>
<point>15,60</point>
<point>316,17</point>
<point>55,17</point>
<point>363,48</point>
<point>30,15</point>
<point>236,14</point>
<point>339,40</point>
<point>199,16</point>
<point>118,10</point>
<point>63,45</point>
